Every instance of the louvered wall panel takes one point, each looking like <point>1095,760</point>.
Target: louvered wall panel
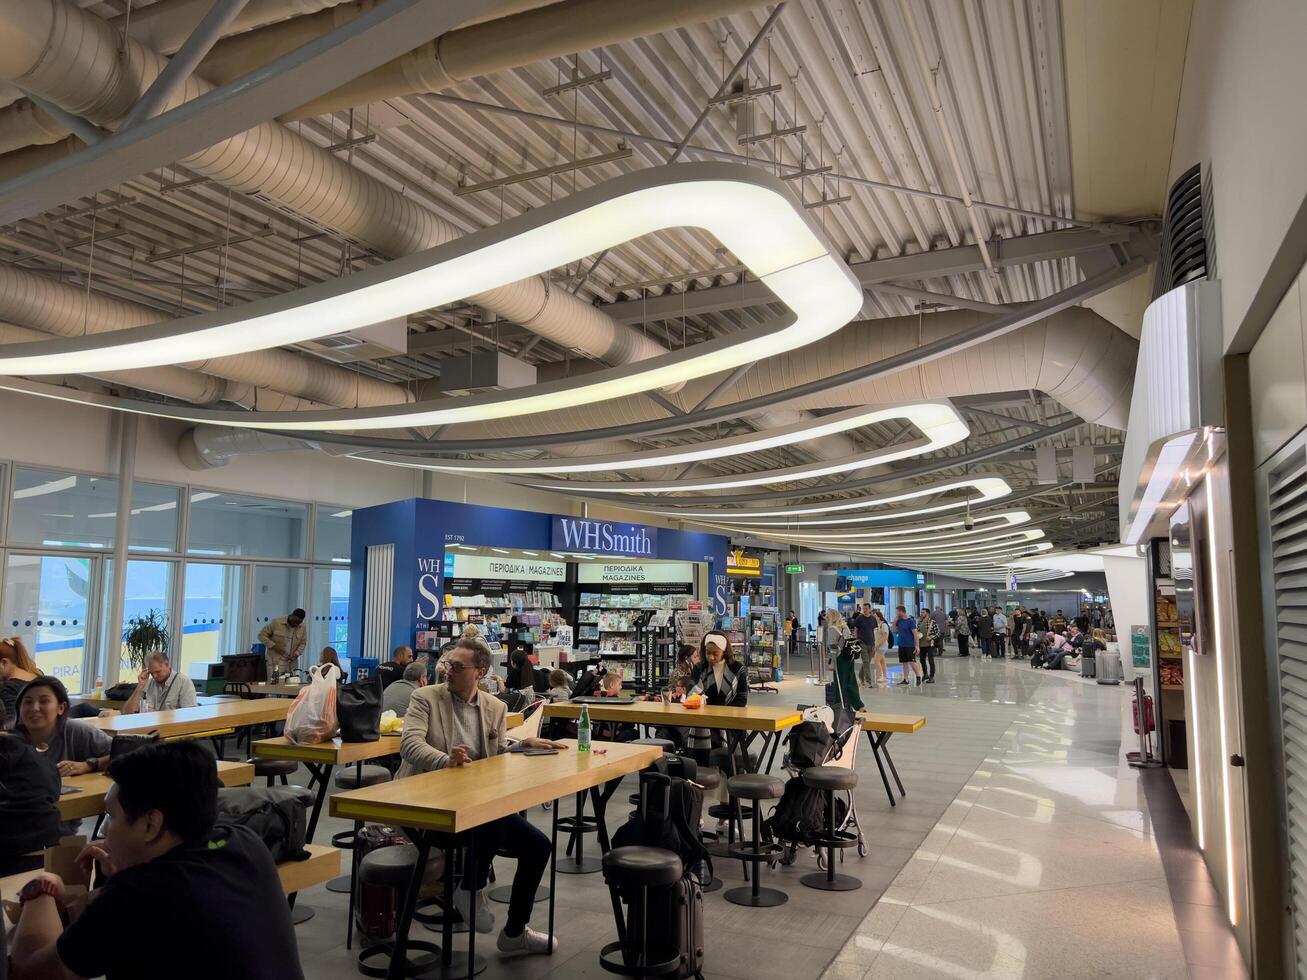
<point>1287,512</point>
<point>379,593</point>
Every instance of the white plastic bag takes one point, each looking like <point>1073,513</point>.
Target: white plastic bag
<point>312,718</point>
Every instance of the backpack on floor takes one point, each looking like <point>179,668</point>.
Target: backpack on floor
<point>278,816</point>
<point>376,907</point>
<point>801,813</point>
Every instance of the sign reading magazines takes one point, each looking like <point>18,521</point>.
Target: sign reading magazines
<point>629,578</point>
<point>492,575</point>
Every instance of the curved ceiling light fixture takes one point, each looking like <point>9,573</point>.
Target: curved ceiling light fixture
<point>988,488</point>
<point>1001,560</point>
<point>750,212</point>
<point>1001,543</point>
<point>1009,518</point>
<point>939,423</point>
<point>788,435</point>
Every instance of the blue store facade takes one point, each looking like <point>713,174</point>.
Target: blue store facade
<point>421,530</point>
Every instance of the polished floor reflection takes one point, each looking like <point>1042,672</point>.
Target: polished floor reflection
<point>1023,849</point>
<point>1046,864</point>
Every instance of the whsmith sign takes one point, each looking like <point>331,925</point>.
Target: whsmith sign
<point>603,537</point>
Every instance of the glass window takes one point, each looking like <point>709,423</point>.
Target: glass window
<point>211,613</point>
<point>45,603</point>
<point>332,534</point>
<point>328,611</point>
<point>228,524</point>
<point>277,591</point>
<point>3,501</point>
<point>154,517</point>
<point>148,589</point>
<point>51,508</point>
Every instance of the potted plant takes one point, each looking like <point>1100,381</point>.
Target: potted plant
<point>144,635</point>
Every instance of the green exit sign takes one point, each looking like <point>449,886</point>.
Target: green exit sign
<point>793,569</point>
<point>930,585</point>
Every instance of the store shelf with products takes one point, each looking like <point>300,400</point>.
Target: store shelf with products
<point>763,652</point>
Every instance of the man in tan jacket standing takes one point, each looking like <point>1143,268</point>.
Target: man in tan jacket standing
<point>285,637</point>
<point>456,724</point>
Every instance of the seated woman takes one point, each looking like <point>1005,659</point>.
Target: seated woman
<point>521,672</point>
<point>76,747</point>
<point>329,656</point>
<point>722,680</point>
<point>16,669</point>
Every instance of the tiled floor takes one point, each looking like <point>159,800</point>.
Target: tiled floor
<point>1024,848</point>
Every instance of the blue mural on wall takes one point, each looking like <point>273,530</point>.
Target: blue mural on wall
<point>421,530</point>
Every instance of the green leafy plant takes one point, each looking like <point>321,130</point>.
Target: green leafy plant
<point>144,635</point>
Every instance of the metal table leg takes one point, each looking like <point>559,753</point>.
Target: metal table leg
<point>322,773</point>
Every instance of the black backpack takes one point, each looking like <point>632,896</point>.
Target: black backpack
<point>801,813</point>
<point>671,805</point>
<point>277,815</point>
<point>809,744</point>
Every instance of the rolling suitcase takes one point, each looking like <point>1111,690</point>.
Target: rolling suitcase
<point>1109,668</point>
<point>1087,666</point>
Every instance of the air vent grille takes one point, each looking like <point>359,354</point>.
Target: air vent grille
<point>1184,233</point>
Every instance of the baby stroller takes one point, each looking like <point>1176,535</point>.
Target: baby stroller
<point>827,736</point>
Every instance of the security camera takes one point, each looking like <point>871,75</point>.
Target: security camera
<point>968,523</point>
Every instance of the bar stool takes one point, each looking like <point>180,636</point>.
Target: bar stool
<point>355,777</point>
<point>632,871</point>
<point>756,787</point>
<point>577,827</point>
<point>828,779</point>
<point>393,867</point>
<point>274,768</point>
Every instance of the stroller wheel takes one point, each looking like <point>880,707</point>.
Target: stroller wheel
<point>862,848</point>
<point>821,860</point>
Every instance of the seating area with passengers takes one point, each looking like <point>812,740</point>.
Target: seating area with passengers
<point>715,489</point>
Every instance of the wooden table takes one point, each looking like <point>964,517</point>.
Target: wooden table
<point>89,800</point>
<point>277,690</point>
<point>436,805</point>
<point>321,760</point>
<point>879,726</point>
<point>205,719</point>
<point>764,720</point>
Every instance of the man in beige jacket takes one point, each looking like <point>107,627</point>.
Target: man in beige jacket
<point>456,724</point>
<point>285,638</point>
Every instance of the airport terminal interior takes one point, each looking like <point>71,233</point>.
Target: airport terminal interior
<point>742,489</point>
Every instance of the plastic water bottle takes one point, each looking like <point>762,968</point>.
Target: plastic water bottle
<point>99,688</point>
<point>583,730</point>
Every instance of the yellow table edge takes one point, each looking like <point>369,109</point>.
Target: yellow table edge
<point>898,724</point>
<point>693,717</point>
<point>271,748</point>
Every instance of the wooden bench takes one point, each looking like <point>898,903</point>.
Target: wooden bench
<point>879,726</point>
<point>322,865</point>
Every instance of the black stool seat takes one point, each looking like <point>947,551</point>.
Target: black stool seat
<point>641,866</point>
<point>708,778</point>
<point>273,767</point>
<point>390,865</point>
<point>348,778</point>
<point>666,744</point>
<point>830,777</point>
<point>755,786</point>
<point>720,758</point>
<point>629,873</point>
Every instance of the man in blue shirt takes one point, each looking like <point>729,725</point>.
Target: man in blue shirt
<point>908,640</point>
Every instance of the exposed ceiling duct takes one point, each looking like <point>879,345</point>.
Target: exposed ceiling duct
<point>1074,356</point>
<point>72,58</point>
<point>69,311</point>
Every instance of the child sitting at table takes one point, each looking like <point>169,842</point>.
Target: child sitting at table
<point>560,687</point>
